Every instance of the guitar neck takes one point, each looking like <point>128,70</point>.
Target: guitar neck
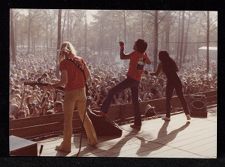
<point>39,84</point>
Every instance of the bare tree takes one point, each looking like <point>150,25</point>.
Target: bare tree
<point>85,34</point>
<point>47,27</point>
<point>155,36</point>
<point>68,26</point>
<point>64,23</point>
<point>12,38</point>
<point>208,27</point>
<point>182,39</point>
<point>101,37</point>
<point>167,32</point>
<point>186,38</point>
<point>142,24</point>
<point>29,31</point>
<point>58,41</point>
<point>125,26</point>
<point>178,38</point>
<point>34,28</point>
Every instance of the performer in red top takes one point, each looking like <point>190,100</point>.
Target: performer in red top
<point>138,58</point>
<point>74,74</point>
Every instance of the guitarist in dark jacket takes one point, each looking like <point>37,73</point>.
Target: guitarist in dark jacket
<point>74,73</point>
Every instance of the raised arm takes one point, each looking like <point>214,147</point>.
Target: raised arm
<point>122,54</point>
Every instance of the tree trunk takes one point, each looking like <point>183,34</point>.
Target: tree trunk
<point>51,35</point>
<point>113,40</point>
<point>101,37</point>
<point>178,39</point>
<point>186,39</point>
<point>182,40</point>
<point>33,44</point>
<point>47,36</point>
<point>207,65</point>
<point>162,41</point>
<point>142,25</point>
<point>12,38</point>
<point>68,26</point>
<point>29,32</point>
<point>58,41</point>
<point>167,40</point>
<point>63,27</point>
<point>198,45</point>
<point>85,35</point>
<point>155,40</point>
<point>125,26</point>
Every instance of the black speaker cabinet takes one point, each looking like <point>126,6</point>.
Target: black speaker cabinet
<point>104,127</point>
<point>198,107</point>
<point>22,147</point>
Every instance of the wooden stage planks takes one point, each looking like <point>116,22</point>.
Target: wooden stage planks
<point>156,139</point>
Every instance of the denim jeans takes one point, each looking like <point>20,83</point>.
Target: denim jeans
<point>169,92</point>
<point>76,98</point>
<point>127,83</point>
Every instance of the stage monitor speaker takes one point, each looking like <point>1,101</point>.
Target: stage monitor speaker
<point>22,147</point>
<point>104,127</point>
<point>198,107</point>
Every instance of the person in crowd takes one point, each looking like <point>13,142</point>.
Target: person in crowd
<point>170,69</point>
<point>58,107</point>
<point>13,110</point>
<point>74,74</point>
<point>138,58</point>
<point>155,93</point>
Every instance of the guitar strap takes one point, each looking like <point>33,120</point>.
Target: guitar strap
<point>76,64</point>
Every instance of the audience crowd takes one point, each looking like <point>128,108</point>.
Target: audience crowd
<point>28,100</point>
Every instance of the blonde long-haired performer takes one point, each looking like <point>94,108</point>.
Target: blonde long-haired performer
<point>74,73</point>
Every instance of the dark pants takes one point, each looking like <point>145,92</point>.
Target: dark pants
<point>169,92</point>
<point>127,83</point>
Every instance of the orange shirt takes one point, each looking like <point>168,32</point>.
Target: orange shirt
<point>136,66</point>
<point>75,75</point>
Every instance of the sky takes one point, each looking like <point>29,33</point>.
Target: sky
<point>89,15</point>
<point>92,12</point>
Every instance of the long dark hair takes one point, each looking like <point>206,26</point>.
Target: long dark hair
<point>141,45</point>
<point>168,63</point>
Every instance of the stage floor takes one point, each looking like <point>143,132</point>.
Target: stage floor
<point>156,139</point>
